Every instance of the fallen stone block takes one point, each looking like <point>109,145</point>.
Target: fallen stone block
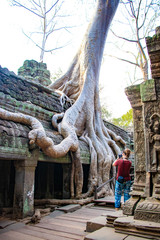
<point>105,233</point>
<point>69,208</point>
<point>111,217</point>
<point>95,223</point>
<point>129,225</point>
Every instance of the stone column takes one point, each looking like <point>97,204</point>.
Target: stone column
<point>23,204</point>
<point>138,192</point>
<point>147,139</point>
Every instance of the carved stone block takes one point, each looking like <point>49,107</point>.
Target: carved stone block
<point>129,205</point>
<point>148,209</point>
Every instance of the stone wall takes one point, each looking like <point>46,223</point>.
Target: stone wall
<point>153,46</point>
<point>120,132</point>
<point>20,95</point>
<point>145,101</point>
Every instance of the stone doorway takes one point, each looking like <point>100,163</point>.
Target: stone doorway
<point>7,183</point>
<point>48,180</point>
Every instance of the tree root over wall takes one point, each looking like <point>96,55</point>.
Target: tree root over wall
<point>83,119</point>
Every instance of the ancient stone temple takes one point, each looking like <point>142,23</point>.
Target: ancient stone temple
<point>144,203</point>
<point>23,172</point>
<point>35,71</point>
<point>26,172</point>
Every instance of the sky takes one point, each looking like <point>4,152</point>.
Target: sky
<point>15,48</point>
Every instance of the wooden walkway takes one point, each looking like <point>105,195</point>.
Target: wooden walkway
<point>56,226</point>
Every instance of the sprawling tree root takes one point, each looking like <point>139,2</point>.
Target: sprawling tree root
<point>80,83</point>
<point>37,135</point>
<point>42,202</point>
<point>83,118</point>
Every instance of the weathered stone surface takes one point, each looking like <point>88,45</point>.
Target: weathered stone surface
<point>134,95</point>
<point>19,95</point>
<point>134,91</point>
<point>95,223</point>
<point>130,205</point>
<point>105,233</point>
<point>24,189</point>
<point>69,208</point>
<point>51,175</point>
<point>140,228</point>
<point>148,209</point>
<point>153,46</point>
<point>109,201</point>
<point>111,217</point>
<point>148,91</point>
<point>145,101</point>
<point>14,144</point>
<point>14,88</point>
<point>5,223</point>
<point>135,238</point>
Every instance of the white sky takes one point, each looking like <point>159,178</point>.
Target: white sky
<point>15,48</point>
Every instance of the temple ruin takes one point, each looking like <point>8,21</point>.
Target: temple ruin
<point>26,172</point>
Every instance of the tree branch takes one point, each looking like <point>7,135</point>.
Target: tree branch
<point>126,39</point>
<point>35,3</point>
<point>125,60</point>
<point>145,16</point>
<point>21,5</point>
<point>42,48</point>
<point>52,7</point>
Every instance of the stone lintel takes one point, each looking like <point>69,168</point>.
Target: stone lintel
<point>8,153</point>
<point>44,158</point>
<point>25,163</point>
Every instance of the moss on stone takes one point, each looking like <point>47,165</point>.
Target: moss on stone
<point>133,87</point>
<point>147,90</point>
<point>22,106</point>
<point>35,71</point>
<point>15,152</point>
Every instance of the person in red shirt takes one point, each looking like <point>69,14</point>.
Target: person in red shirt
<point>123,179</point>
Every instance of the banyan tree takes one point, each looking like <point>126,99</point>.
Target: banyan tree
<point>80,86</point>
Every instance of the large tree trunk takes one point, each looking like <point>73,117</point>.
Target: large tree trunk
<point>83,119</point>
<point>80,83</point>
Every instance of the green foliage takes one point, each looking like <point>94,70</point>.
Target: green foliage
<point>125,121</point>
<point>56,75</point>
<point>105,113</point>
